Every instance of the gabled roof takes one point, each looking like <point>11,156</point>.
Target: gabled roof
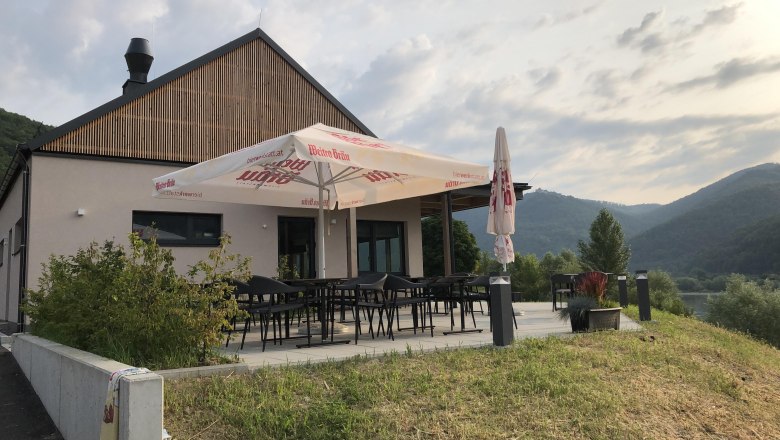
<point>158,82</point>
<point>45,140</point>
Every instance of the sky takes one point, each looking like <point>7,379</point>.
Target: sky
<point>627,101</point>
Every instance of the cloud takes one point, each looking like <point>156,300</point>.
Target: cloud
<point>545,79</point>
<point>548,19</point>
<point>396,82</point>
<point>653,36</point>
<point>729,73</point>
<point>630,35</point>
<point>718,17</point>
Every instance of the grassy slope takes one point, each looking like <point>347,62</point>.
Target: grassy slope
<point>678,378</point>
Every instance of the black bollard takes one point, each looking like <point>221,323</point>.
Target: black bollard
<point>623,289</point>
<point>501,309</point>
<point>643,295</point>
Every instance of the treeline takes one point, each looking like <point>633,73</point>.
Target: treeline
<point>531,277</point>
<point>16,129</point>
<point>748,306</point>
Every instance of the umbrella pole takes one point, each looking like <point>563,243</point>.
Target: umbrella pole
<point>321,223</point>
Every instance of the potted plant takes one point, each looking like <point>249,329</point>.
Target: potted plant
<point>576,311</point>
<point>590,311</point>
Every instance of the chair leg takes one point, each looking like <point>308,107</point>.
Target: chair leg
<point>430,316</point>
<point>246,329</point>
<point>356,313</point>
<point>308,328</point>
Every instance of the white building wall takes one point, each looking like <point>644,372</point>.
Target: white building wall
<point>10,213</point>
<point>110,191</point>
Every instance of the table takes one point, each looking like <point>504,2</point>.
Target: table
<point>322,286</point>
<point>449,282</point>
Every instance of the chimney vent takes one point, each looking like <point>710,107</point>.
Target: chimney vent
<point>139,59</point>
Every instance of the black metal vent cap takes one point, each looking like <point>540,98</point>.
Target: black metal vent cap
<point>139,59</point>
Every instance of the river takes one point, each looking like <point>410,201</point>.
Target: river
<point>697,301</point>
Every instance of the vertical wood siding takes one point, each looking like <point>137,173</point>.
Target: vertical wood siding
<point>243,97</point>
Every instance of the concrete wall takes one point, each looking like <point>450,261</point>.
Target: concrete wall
<point>110,191</point>
<point>73,384</point>
<point>10,213</point>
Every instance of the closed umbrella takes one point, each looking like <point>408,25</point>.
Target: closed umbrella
<point>501,212</point>
<point>320,167</point>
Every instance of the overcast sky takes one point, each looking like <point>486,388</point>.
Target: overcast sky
<point>618,100</point>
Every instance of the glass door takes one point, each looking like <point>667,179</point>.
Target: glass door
<point>296,242</point>
<point>381,247</point>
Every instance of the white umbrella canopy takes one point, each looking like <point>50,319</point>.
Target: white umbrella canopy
<point>319,167</point>
<point>501,212</point>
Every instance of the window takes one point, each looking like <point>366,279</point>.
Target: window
<point>381,247</point>
<point>178,228</point>
<point>18,236</point>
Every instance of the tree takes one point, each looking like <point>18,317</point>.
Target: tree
<point>464,242</point>
<point>606,251</point>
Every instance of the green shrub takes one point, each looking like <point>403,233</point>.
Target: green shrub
<point>664,294</point>
<point>132,306</point>
<point>749,307</point>
<point>689,284</point>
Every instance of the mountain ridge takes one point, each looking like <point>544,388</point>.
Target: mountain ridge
<point>678,237</point>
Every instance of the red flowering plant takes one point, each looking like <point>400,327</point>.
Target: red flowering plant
<point>592,285</point>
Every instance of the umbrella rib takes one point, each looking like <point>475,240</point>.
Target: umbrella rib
<point>274,167</point>
<point>341,177</point>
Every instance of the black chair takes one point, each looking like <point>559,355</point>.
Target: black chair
<point>243,296</point>
<point>451,290</point>
<point>402,293</point>
<point>282,299</point>
<point>561,285</point>
<point>364,292</point>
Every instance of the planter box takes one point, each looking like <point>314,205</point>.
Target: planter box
<point>604,319</point>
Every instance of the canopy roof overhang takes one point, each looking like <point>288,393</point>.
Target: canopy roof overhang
<point>464,198</point>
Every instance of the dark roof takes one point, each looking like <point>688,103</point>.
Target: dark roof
<point>140,90</point>
<point>143,89</point>
<point>465,198</point>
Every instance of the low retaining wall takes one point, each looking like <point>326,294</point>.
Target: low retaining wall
<point>72,384</point>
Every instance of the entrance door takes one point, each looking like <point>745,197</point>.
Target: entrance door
<point>296,241</point>
<point>381,247</point>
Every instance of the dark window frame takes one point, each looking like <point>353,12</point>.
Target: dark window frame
<point>372,245</point>
<point>190,217</point>
<point>17,237</point>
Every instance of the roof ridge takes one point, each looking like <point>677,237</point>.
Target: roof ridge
<point>167,77</point>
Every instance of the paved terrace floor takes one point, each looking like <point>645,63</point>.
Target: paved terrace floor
<point>534,320</point>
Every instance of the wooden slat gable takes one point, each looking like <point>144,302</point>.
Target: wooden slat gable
<point>245,96</point>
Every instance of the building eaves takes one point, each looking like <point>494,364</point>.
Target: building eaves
<point>160,81</point>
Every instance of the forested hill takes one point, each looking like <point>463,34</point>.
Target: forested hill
<point>678,244</point>
<point>549,221</point>
<point>706,230</point>
<point>16,129</point>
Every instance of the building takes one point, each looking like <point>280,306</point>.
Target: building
<point>244,92</point>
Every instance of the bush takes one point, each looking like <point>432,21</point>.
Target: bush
<point>664,294</point>
<point>749,307</point>
<point>689,284</point>
<point>133,307</point>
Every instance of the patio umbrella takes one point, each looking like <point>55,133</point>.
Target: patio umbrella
<point>320,167</point>
<point>501,212</point>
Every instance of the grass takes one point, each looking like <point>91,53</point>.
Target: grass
<point>677,378</point>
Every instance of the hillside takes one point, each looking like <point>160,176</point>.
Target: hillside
<point>548,221</point>
<point>696,231</point>
<point>675,378</point>
<point>752,250</point>
<point>768,173</point>
<point>677,244</point>
<point>16,129</point>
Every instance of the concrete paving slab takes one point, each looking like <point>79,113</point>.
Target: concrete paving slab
<point>537,320</point>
